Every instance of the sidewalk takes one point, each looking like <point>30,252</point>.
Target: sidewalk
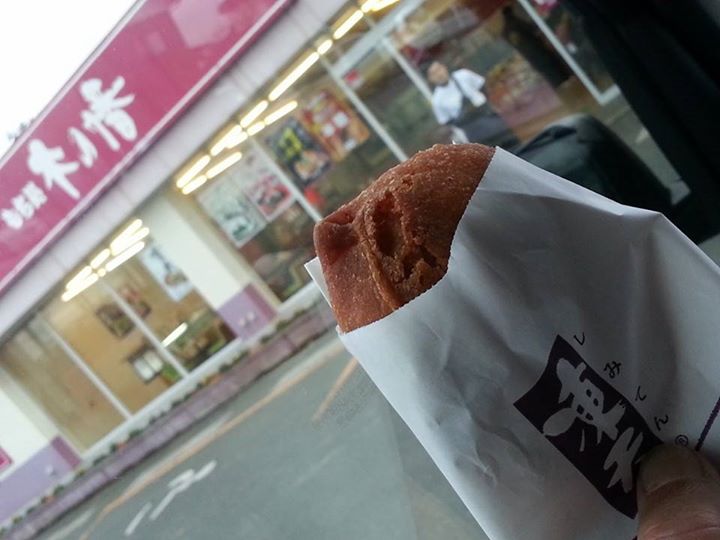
<point>231,379</point>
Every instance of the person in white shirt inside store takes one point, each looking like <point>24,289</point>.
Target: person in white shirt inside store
<point>458,101</point>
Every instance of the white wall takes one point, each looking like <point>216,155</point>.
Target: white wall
<point>216,272</point>
<point>21,437</point>
<point>227,95</point>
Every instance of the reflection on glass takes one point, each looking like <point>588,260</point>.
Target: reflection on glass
<point>107,339</point>
<point>38,365</point>
<point>567,26</point>
<point>384,87</point>
<point>257,215</point>
<point>279,252</point>
<point>324,145</point>
<point>164,298</point>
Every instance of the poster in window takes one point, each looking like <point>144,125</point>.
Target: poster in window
<point>115,320</point>
<point>334,124</point>
<point>263,187</point>
<point>304,157</point>
<point>172,280</point>
<point>227,205</point>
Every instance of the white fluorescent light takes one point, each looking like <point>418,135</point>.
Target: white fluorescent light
<point>368,6</point>
<point>253,113</point>
<point>192,171</point>
<point>172,336</point>
<point>124,256</point>
<point>379,5</point>
<point>101,257</point>
<point>194,184</point>
<point>233,158</point>
<point>130,229</point>
<point>325,46</point>
<point>231,139</point>
<point>125,241</point>
<point>294,75</point>
<point>81,276</point>
<point>256,128</point>
<point>79,287</point>
<point>280,112</point>
<point>347,24</point>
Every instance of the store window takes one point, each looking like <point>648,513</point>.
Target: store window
<point>134,318</point>
<point>508,73</point>
<point>324,145</point>
<point>252,209</point>
<point>381,83</point>
<point>279,252</point>
<point>35,360</point>
<point>384,80</point>
<point>103,335</point>
<point>168,303</point>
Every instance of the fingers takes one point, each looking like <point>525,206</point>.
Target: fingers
<point>678,496</point>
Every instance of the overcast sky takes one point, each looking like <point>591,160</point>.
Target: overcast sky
<point>42,42</point>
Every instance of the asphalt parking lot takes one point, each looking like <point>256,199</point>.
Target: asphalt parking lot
<point>310,451</point>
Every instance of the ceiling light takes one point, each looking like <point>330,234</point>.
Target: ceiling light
<point>254,113</point>
<point>172,336</point>
<point>130,229</point>
<point>231,139</point>
<point>255,128</point>
<point>124,256</point>
<point>126,240</point>
<point>294,75</point>
<point>192,171</point>
<point>81,276</point>
<point>368,6</point>
<point>194,184</point>
<point>379,5</point>
<point>325,46</point>
<point>280,112</point>
<point>72,292</point>
<point>101,257</point>
<point>233,158</point>
<point>347,24</point>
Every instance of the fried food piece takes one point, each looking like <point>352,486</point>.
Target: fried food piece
<point>392,242</point>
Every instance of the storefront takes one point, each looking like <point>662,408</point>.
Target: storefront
<point>161,245</point>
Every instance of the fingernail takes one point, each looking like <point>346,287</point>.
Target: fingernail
<point>665,464</point>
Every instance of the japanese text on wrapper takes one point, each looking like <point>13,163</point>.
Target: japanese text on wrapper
<point>590,423</point>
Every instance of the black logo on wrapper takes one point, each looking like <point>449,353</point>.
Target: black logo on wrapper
<point>591,423</point>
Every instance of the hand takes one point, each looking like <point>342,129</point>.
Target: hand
<point>678,496</point>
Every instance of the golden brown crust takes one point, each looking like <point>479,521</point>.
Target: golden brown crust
<point>392,242</point>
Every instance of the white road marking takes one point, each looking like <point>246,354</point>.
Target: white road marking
<point>171,457</point>
<point>180,483</point>
<point>137,519</point>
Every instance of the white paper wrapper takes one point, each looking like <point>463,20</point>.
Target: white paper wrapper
<point>569,335</point>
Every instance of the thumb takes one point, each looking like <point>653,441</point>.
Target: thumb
<point>678,496</point>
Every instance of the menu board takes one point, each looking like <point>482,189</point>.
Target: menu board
<point>303,156</point>
<point>338,128</point>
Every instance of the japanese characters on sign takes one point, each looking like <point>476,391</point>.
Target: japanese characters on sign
<point>109,112</point>
<point>597,429</point>
<point>105,114</point>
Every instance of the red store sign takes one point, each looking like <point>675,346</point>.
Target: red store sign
<point>161,57</point>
